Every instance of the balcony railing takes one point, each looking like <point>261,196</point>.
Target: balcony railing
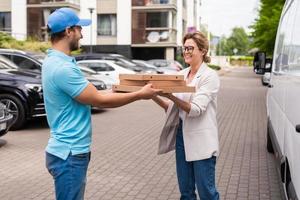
<point>152,2</point>
<point>154,36</point>
<point>76,2</point>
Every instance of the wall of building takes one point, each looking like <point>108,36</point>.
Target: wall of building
<point>180,15</point>
<point>124,22</point>
<point>89,32</point>
<point>19,19</point>
<point>5,5</point>
<point>106,6</point>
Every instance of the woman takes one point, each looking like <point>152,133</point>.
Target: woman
<point>191,125</point>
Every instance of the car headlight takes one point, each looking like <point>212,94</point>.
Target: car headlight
<point>34,87</point>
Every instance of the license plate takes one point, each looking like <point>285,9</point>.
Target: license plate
<point>2,126</point>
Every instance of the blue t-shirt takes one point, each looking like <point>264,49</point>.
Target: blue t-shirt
<point>69,120</point>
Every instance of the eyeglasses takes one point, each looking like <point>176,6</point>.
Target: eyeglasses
<point>188,49</point>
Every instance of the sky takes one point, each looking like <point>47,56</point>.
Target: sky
<point>223,15</point>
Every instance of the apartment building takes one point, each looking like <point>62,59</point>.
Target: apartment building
<point>141,29</point>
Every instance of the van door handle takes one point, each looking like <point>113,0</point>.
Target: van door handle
<point>298,128</point>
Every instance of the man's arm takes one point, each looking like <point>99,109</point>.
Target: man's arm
<point>90,95</point>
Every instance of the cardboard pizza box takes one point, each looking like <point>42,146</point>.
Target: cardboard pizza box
<point>165,89</point>
<point>153,82</point>
<point>148,77</point>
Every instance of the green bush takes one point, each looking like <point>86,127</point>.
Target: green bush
<point>215,67</point>
<point>6,41</point>
<point>241,60</point>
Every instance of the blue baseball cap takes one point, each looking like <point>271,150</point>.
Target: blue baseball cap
<point>63,18</point>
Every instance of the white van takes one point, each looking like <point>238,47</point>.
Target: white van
<point>283,98</point>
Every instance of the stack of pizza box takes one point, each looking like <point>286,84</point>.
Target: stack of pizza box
<point>167,83</point>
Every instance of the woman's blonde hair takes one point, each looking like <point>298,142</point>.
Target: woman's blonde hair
<point>201,41</point>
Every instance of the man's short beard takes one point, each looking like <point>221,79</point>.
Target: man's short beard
<point>74,45</point>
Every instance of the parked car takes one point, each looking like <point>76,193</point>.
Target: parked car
<point>264,71</point>
<point>119,60</point>
<point>166,66</point>
<point>265,79</point>
<point>33,62</point>
<point>106,68</point>
<point>5,120</point>
<point>267,76</point>
<point>92,73</point>
<point>283,97</point>
<point>21,93</point>
<point>147,67</point>
<point>21,59</point>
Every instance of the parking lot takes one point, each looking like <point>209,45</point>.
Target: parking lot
<point>125,164</point>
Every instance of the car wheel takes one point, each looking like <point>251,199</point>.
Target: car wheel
<point>15,107</point>
<point>269,142</point>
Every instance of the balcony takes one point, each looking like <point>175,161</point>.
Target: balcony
<point>154,4</point>
<point>53,3</point>
<point>154,37</point>
<point>153,28</point>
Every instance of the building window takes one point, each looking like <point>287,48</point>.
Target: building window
<point>157,19</point>
<point>5,21</point>
<point>107,25</point>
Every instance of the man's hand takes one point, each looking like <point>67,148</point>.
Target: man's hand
<point>147,92</point>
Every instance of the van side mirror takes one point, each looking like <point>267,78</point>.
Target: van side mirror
<point>268,66</point>
<point>259,62</point>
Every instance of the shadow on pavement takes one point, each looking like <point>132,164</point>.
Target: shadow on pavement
<point>41,122</point>
<point>2,143</point>
<point>98,111</point>
<point>37,123</point>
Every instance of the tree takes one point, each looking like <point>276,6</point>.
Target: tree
<point>265,26</point>
<point>237,43</point>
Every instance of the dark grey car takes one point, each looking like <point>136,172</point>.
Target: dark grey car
<point>5,120</point>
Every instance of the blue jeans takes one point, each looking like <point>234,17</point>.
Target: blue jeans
<point>200,173</point>
<point>69,175</point>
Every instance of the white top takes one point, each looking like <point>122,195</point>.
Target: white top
<point>200,129</point>
<point>184,97</point>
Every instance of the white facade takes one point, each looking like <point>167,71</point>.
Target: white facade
<point>180,18</point>
<point>89,32</point>
<point>124,22</point>
<point>19,19</point>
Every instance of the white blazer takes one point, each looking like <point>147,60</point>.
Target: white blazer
<point>200,129</point>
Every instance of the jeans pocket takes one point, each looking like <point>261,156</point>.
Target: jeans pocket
<point>81,160</point>
<point>82,156</point>
<point>52,164</point>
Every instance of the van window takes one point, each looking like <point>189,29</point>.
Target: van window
<point>284,40</point>
<point>294,58</point>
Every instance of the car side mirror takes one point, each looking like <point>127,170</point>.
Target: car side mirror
<point>259,62</point>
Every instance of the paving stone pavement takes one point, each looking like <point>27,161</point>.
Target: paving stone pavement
<point>124,163</point>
